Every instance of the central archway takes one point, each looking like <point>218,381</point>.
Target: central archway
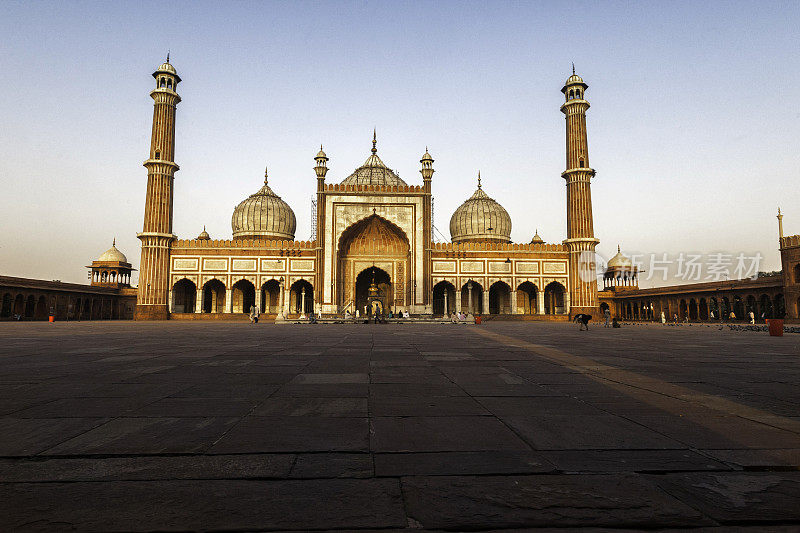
<point>373,242</point>
<point>382,281</point>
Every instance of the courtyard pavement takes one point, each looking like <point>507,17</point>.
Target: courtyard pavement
<point>123,426</point>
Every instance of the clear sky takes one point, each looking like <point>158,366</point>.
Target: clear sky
<point>693,128</point>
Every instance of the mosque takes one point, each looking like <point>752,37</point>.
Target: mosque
<point>374,248</point>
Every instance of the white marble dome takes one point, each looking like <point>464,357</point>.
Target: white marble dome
<point>480,218</point>
<point>263,215</point>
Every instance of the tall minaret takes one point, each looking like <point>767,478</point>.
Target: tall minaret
<point>156,236</point>
<point>427,230</point>
<point>580,229</point>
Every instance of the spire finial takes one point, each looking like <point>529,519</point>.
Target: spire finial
<point>618,250</point>
<point>779,211</point>
<point>479,179</point>
<point>114,241</point>
<point>573,68</point>
<point>320,147</point>
<point>167,56</point>
<point>204,227</point>
<point>266,175</point>
<point>374,140</point>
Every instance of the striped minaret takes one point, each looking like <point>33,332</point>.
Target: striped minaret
<point>156,235</point>
<point>580,240</point>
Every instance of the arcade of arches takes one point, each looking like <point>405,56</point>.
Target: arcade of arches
<point>27,299</point>
<point>717,302</point>
<point>242,296</point>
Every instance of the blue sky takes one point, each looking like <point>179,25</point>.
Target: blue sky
<point>693,128</point>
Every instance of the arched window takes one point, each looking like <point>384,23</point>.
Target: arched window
<point>163,82</point>
<point>158,155</point>
<point>571,95</point>
<point>581,163</point>
<point>169,84</point>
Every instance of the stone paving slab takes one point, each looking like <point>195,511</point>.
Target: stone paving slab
<point>226,426</point>
<point>735,497</point>
<point>203,505</point>
<point>468,502</point>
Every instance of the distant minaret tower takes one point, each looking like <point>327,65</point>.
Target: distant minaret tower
<point>156,235</point>
<point>580,229</point>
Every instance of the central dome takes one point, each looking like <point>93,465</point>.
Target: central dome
<point>263,215</point>
<point>480,218</point>
<point>373,171</point>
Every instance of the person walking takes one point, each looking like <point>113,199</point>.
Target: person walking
<point>752,316</point>
<point>607,314</point>
<point>675,319</point>
<point>663,318</point>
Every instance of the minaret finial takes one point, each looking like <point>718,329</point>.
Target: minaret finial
<point>167,56</point>
<point>479,179</point>
<point>618,250</point>
<point>374,140</point>
<point>573,68</point>
<point>114,241</point>
<point>265,175</point>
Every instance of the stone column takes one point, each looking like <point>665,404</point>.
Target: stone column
<point>485,301</point>
<point>303,303</point>
<point>458,300</point>
<point>263,299</point>
<point>198,301</point>
<point>229,300</point>
<point>513,302</point>
<point>445,301</point>
<point>281,315</point>
<point>540,302</point>
<point>170,296</point>
<point>469,295</point>
<point>566,303</point>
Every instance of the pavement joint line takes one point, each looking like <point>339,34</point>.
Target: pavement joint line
<point>626,379</point>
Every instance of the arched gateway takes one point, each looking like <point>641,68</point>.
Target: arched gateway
<point>373,247</point>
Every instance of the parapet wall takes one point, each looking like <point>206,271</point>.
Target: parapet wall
<point>495,246</point>
<point>791,241</point>
<point>199,245</point>
<point>338,187</point>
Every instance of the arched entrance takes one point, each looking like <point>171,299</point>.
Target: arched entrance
<point>41,309</point>
<point>703,309</point>
<point>243,296</point>
<point>526,298</point>
<point>780,307</point>
<point>214,297</point>
<point>271,297</point>
<point>766,306</point>
<point>184,293</point>
<point>30,306</point>
<point>752,305</point>
<point>368,301</point>
<point>299,290</point>
<point>373,242</point>
<point>444,298</point>
<point>554,299</point>
<point>19,305</point>
<point>738,307</point>
<point>499,299</point>
<point>477,298</point>
<point>5,310</point>
<point>693,315</point>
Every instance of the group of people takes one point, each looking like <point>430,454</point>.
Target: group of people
<point>458,317</point>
